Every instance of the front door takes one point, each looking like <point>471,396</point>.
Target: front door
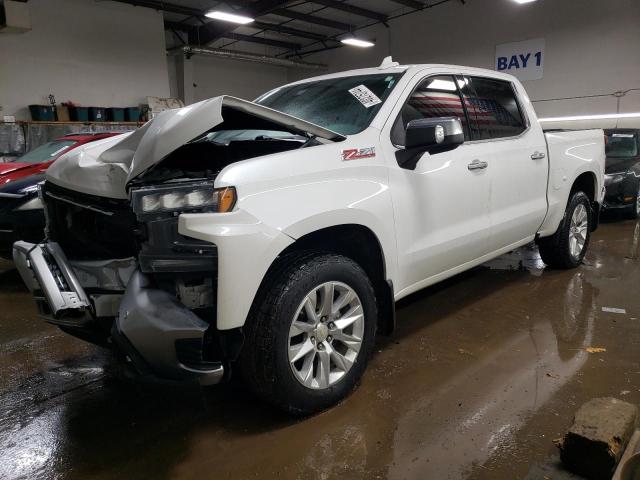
<point>441,202</point>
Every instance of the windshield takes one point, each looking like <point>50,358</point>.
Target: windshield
<point>622,145</point>
<point>47,152</point>
<point>345,105</point>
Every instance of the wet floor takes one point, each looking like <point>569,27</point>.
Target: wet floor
<point>483,372</point>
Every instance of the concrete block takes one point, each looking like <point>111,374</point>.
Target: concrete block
<point>598,437</point>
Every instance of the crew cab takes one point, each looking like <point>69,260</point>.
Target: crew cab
<point>273,237</point>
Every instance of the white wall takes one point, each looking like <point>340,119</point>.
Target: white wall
<point>247,80</point>
<point>93,53</point>
<point>110,54</point>
<point>591,47</point>
<point>213,77</point>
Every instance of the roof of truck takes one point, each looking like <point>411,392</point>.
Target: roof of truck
<point>389,66</point>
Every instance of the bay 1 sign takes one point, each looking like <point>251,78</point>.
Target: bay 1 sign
<point>524,60</point>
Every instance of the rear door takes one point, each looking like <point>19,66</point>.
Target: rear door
<point>501,130</point>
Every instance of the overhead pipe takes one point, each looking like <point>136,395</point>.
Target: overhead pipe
<point>188,51</point>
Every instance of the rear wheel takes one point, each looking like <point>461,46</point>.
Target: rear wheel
<point>309,339</point>
<point>568,246</point>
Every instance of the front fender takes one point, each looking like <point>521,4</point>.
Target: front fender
<point>362,218</point>
<point>246,249</point>
<point>358,195</point>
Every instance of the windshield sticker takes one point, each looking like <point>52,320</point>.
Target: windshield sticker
<point>365,96</point>
<point>358,153</point>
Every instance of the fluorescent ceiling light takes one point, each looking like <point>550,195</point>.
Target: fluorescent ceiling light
<point>228,17</point>
<point>524,1</point>
<point>356,42</point>
<point>605,116</point>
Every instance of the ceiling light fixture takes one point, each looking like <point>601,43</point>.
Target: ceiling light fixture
<point>524,1</point>
<point>605,116</point>
<point>356,42</point>
<point>229,17</point>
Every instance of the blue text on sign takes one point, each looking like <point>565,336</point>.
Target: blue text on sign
<point>519,61</point>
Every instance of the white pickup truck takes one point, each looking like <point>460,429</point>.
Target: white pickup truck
<point>274,236</point>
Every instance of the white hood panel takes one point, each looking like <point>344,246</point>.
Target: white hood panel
<point>105,167</point>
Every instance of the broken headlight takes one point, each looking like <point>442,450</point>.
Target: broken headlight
<point>183,197</point>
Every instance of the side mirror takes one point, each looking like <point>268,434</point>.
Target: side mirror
<point>428,133</point>
<point>431,135</point>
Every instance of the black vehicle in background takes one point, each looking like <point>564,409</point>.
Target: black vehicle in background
<point>21,213</point>
<point>622,171</point>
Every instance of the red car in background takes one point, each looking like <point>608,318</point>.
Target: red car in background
<point>39,159</point>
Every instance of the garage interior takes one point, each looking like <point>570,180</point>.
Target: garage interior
<point>484,372</point>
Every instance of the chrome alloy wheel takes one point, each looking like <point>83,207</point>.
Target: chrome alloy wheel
<point>578,230</point>
<point>326,335</point>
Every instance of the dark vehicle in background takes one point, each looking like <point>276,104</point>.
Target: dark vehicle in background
<point>622,171</point>
<point>40,158</point>
<point>21,211</point>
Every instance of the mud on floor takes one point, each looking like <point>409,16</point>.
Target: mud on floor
<point>483,372</point>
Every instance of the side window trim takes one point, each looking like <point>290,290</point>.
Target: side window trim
<point>413,90</point>
<point>464,107</point>
<point>523,114</point>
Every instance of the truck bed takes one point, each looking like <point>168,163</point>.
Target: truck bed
<point>571,153</point>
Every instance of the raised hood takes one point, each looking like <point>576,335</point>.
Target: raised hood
<point>105,167</point>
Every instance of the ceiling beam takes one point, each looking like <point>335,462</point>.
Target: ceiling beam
<point>344,7</point>
<point>192,30</point>
<point>264,41</point>
<point>274,27</point>
<point>410,3</point>
<point>304,17</point>
<point>163,6</point>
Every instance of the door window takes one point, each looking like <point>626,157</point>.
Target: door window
<point>434,97</point>
<point>492,107</point>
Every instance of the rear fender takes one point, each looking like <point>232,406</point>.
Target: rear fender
<point>571,154</point>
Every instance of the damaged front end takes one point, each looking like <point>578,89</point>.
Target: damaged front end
<point>117,276</point>
<point>114,269</point>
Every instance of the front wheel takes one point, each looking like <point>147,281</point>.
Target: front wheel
<point>567,247</point>
<point>310,334</point>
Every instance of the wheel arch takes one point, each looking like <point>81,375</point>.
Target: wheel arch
<point>357,242</point>
<point>588,184</point>
<point>585,182</point>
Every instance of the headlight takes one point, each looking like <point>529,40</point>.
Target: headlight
<point>183,197</point>
<point>614,178</point>
<point>31,188</point>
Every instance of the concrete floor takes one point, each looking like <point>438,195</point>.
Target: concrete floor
<point>483,373</point>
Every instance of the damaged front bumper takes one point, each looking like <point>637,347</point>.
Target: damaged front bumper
<point>160,336</point>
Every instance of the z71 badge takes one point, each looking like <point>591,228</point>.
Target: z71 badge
<point>358,153</point>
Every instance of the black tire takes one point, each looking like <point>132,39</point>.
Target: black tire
<point>264,361</point>
<point>554,250</point>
